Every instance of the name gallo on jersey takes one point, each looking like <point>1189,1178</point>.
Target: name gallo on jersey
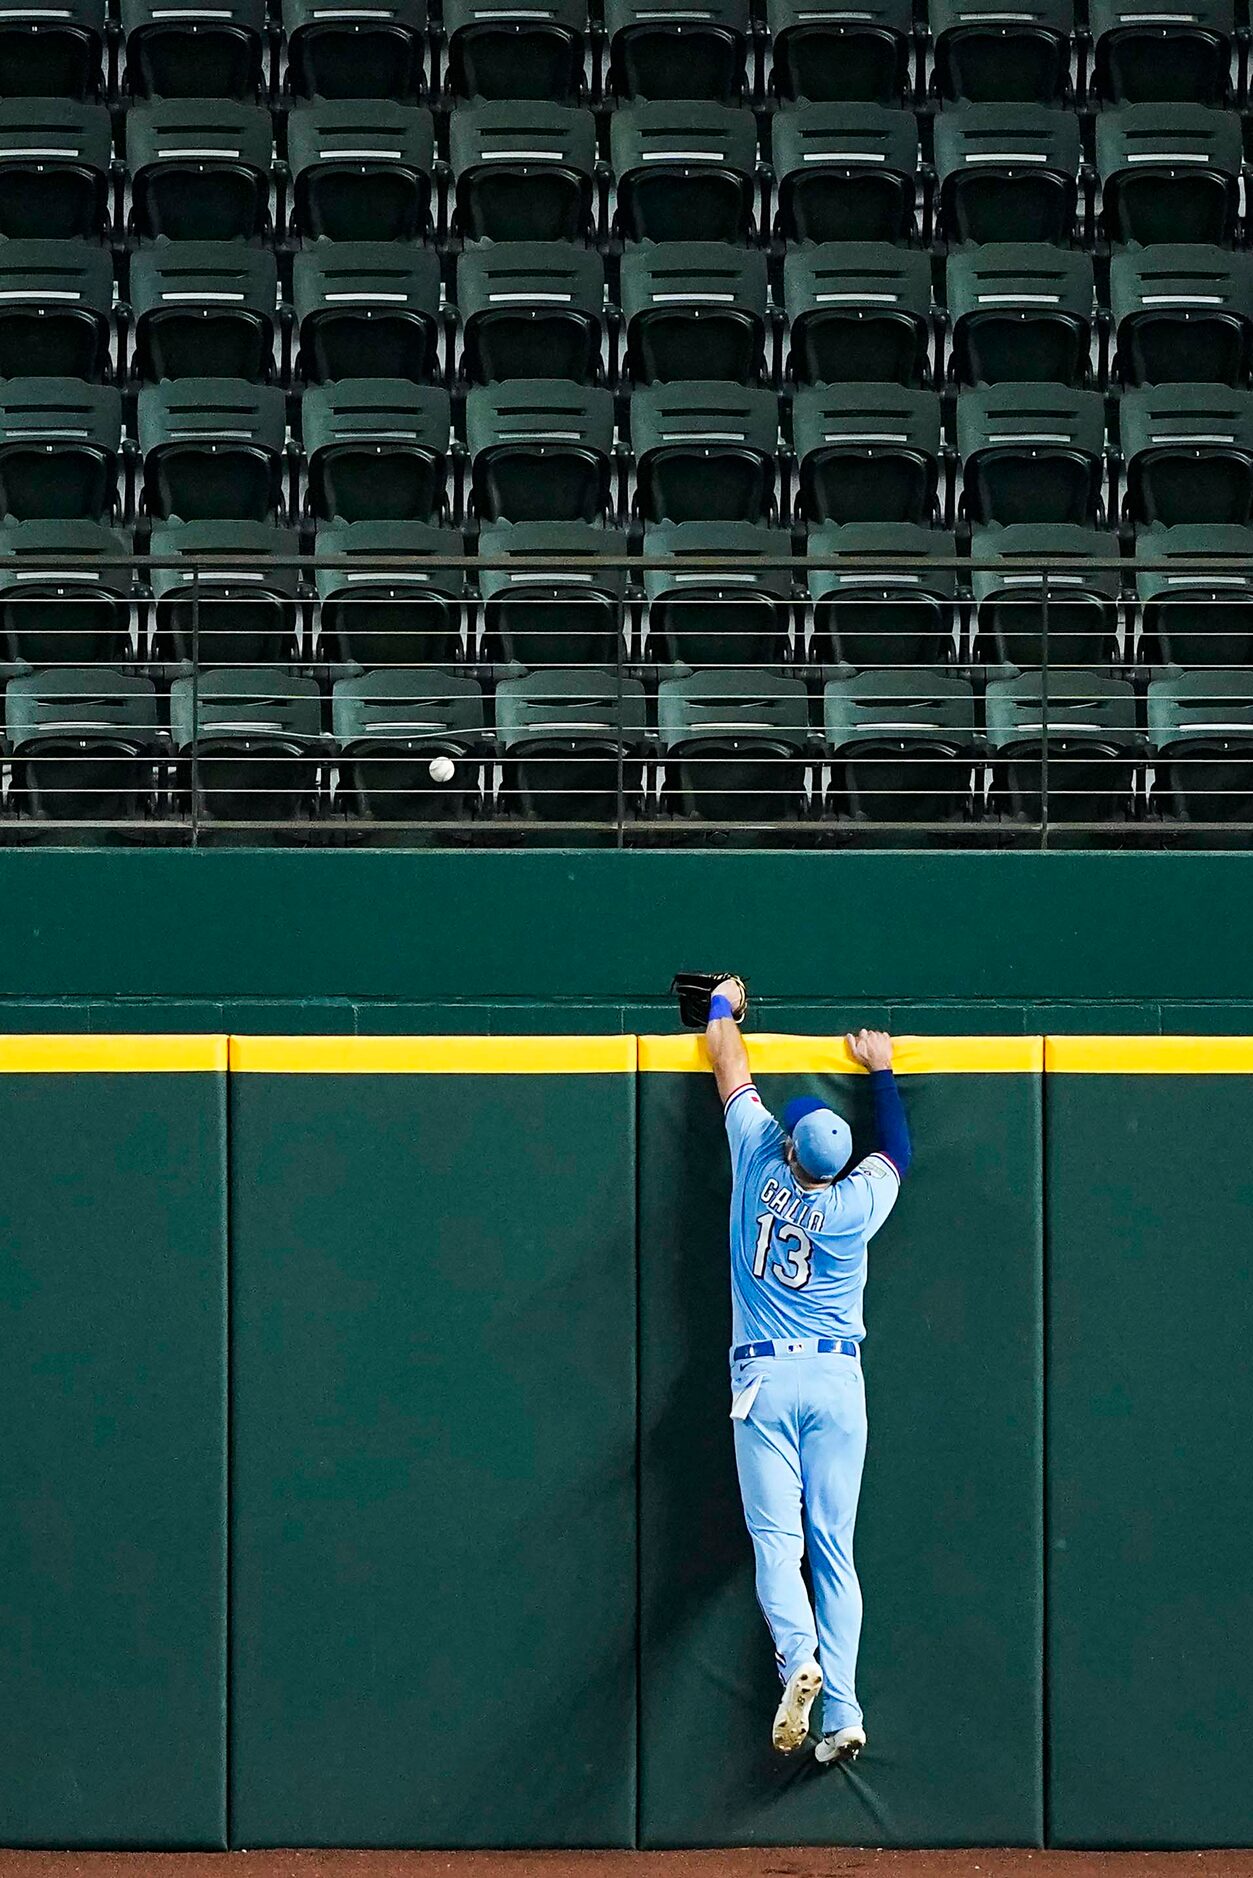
<point>797,1209</point>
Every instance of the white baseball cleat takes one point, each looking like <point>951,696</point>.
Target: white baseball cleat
<point>844,1745</point>
<point>791,1720</point>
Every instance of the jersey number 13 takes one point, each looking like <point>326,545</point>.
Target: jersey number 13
<point>793,1246</point>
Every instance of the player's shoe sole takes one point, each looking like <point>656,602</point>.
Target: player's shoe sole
<point>845,1745</point>
<point>791,1721</point>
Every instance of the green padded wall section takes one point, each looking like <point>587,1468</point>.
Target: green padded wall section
<point>1150,1402</point>
<point>949,1537</point>
<point>433,1515</point>
<point>113,1406</point>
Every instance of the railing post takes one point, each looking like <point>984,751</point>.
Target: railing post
<point>1044,709</point>
<point>621,710</point>
<point>195,703</point>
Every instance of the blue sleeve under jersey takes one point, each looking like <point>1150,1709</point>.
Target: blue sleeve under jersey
<point>890,1127</point>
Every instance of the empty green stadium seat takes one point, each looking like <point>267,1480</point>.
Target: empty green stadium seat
<point>355,48</point>
<point>684,172</point>
<point>55,155</point>
<point>212,448</point>
<point>572,745</point>
<point>367,309</point>
<point>391,604</point>
<point>377,450</point>
<point>1189,453</point>
<point>1016,611</point>
<point>1007,172</point>
<point>60,440</point>
<point>361,169</point>
<point>200,168</point>
<point>249,744</point>
<point>1031,453</point>
<point>855,49</point>
<point>203,308</point>
<point>988,54</point>
<point>187,50</point>
<point>844,172</point>
<point>56,309</point>
<point>1088,723</point>
<point>858,310</point>
<point>867,453</point>
<point>1200,740</point>
<point>736,746</point>
<point>1020,310</point>
<point>704,452</point>
<point>540,450</point>
<point>902,746</point>
<point>557,595</point>
<point>497,49</point>
<point>523,170</point>
<point>669,49</point>
<point>530,309</point>
<point>73,608</point>
<point>53,49</point>
<point>1169,172</point>
<point>694,309</point>
<point>392,727</point>
<point>84,744</point>
<point>1182,312</point>
<point>735,610</point>
<point>889,599</point>
<point>1149,55</point>
<point>232,601</point>
<point>1195,588</point>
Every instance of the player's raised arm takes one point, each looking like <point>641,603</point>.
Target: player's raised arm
<point>726,1048</point>
<point>873,1049</point>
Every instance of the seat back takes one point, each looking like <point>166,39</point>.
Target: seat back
<point>203,308</point>
<point>572,742</point>
<point>1200,738</point>
<point>396,601</point>
<point>1182,312</point>
<point>1020,311</point>
<point>54,168</point>
<point>356,49</point>
<point>244,702</point>
<point>377,449</point>
<point>1195,588</point>
<point>200,168</point>
<point>523,170</point>
<point>1169,172</point>
<point>1007,172</point>
<point>845,172</point>
<point>705,451</point>
<point>189,52</point>
<point>858,310</point>
<point>1045,591</point>
<point>64,592</point>
<point>540,449</point>
<point>61,57</point>
<point>981,56</point>
<point>903,744</point>
<point>685,172</point>
<point>556,595</point>
<point>212,448</point>
<point>1031,452</point>
<point>887,596</point>
<point>530,309</point>
<point>367,309</point>
<point>673,51</point>
<point>1088,722</point>
<point>407,708</point>
<point>1189,453</point>
<point>738,741</point>
<point>867,453</point>
<point>1150,57</point>
<point>361,168</point>
<point>56,309</point>
<point>841,49</point>
<point>496,50</point>
<point>735,609</point>
<point>228,598</point>
<point>84,743</point>
<point>59,442</point>
<point>694,309</point>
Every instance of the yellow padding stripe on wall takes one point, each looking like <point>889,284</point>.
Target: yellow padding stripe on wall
<point>433,1056</point>
<point>144,1055</point>
<point>1149,1056</point>
<point>769,1054</point>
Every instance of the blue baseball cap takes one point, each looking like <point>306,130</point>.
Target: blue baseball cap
<point>822,1139</point>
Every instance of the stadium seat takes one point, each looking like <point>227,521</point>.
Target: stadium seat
<point>1081,596</point>
<point>844,172</point>
<point>249,743</point>
<point>1007,172</point>
<point>56,309</point>
<point>1031,453</point>
<point>212,449</point>
<point>558,596</point>
<point>1188,451</point>
<point>540,450</point>
<point>1020,311</point>
<point>1152,56</point>
<point>1088,724</point>
<point>1195,589</point>
<point>397,605</point>
<point>854,49</point>
<point>1182,313</point>
<point>685,172</point>
<point>189,50</point>
<point>735,746</point>
<point>736,610</point>
<point>361,169</point>
<point>74,614</point>
<point>867,453</point>
<point>901,745</point>
<point>367,309</point>
<point>670,49</point>
<point>523,170</point>
<point>1200,741</point>
<point>391,728</point>
<point>985,54</point>
<point>530,309</point>
<point>84,744</point>
<point>53,49</point>
<point>355,49</point>
<point>704,452</point>
<point>233,601</point>
<point>890,597</point>
<point>55,157</point>
<point>497,49</point>
<point>694,309</point>
<point>200,169</point>
<point>1169,172</point>
<point>572,745</point>
<point>60,441</point>
<point>377,450</point>
<point>858,310</point>
<point>203,308</point>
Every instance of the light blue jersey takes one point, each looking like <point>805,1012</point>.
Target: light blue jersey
<point>798,1257</point>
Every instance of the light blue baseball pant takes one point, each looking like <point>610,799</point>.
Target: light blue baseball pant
<point>800,1453</point>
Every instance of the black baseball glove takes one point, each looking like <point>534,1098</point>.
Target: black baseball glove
<point>694,990</point>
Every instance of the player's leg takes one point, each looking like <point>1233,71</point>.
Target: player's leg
<point>833,1451</point>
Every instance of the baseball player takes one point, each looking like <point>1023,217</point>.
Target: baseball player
<point>799,1229</point>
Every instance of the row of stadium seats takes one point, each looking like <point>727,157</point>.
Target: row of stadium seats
<point>206,169</point>
<point>850,311</point>
<point>818,49</point>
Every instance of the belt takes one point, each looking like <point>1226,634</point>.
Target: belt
<point>796,1346</point>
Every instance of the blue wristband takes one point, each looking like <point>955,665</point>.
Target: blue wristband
<point>719,1007</point>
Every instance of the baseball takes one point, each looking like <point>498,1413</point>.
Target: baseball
<point>443,769</point>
